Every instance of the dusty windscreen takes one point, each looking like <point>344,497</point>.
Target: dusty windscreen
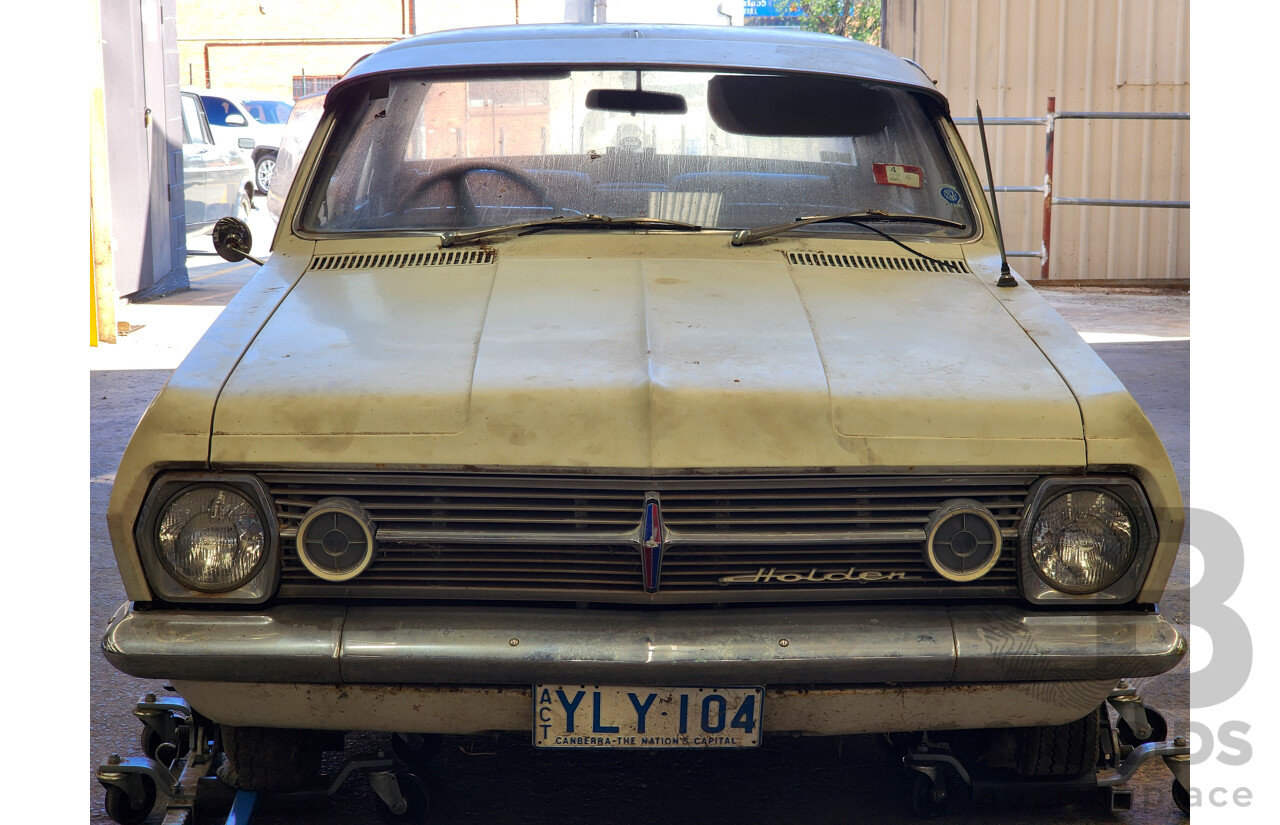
<point>723,151</point>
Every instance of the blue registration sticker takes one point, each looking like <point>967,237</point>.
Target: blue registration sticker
<point>950,194</point>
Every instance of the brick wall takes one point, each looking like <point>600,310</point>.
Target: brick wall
<point>462,121</point>
<point>439,15</point>
<point>268,70</point>
<point>295,19</point>
<point>261,46</point>
<point>296,32</point>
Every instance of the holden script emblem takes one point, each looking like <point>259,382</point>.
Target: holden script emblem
<point>850,575</point>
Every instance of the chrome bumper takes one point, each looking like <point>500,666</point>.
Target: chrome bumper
<point>512,645</point>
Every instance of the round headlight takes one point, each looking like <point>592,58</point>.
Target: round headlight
<point>962,541</point>
<point>336,539</point>
<point>1083,541</point>
<point>211,538</point>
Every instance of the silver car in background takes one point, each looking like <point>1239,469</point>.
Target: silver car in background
<point>217,179</point>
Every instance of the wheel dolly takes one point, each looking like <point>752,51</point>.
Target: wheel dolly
<point>934,773</point>
<point>181,751</point>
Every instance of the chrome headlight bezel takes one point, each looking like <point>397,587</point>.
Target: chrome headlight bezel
<point>260,584</point>
<point>1146,534</point>
<point>355,519</point>
<point>965,509</point>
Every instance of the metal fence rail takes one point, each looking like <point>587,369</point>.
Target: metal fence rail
<point>1049,121</point>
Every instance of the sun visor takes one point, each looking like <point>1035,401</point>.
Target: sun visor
<point>796,106</point>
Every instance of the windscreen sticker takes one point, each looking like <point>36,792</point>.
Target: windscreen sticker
<point>895,174</point>
<point>950,194</point>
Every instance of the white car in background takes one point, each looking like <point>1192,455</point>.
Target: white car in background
<point>237,114</point>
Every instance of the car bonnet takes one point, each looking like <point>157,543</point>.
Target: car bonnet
<point>651,360</point>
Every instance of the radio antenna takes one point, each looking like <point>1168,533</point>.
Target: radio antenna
<point>1006,277</point>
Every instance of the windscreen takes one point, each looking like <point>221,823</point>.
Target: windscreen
<point>719,150</point>
<point>273,112</point>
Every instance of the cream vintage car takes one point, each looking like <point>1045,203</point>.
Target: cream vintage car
<point>642,387</point>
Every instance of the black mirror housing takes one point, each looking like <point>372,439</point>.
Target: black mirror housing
<point>233,240</point>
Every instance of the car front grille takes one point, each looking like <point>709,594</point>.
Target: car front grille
<point>580,538</point>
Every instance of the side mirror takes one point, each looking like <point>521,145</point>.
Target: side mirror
<point>245,143</point>
<point>233,240</point>
<point>234,119</point>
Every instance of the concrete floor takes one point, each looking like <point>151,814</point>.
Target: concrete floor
<point>1144,337</point>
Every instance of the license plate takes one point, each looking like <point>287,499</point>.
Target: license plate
<point>608,716</point>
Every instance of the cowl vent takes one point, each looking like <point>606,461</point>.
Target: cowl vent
<point>902,264</point>
<point>401,260</point>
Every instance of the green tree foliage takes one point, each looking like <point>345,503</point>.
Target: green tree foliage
<point>855,19</point>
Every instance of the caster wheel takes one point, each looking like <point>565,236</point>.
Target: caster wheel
<point>928,799</point>
<point>150,742</point>
<point>121,808</point>
<point>1159,730</point>
<point>165,752</point>
<point>416,749</point>
<point>1181,798</point>
<point>414,791</point>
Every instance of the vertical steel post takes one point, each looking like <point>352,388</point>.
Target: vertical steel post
<point>1048,188</point>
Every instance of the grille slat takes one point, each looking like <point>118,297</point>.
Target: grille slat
<point>577,537</point>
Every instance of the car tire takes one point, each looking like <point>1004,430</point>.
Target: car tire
<point>263,169</point>
<point>1064,751</point>
<point>243,206</point>
<point>268,759</point>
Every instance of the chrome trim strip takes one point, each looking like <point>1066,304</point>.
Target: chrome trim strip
<point>492,536</point>
<point>796,537</point>
<point>632,537</point>
<point>671,537</point>
<point>518,645</point>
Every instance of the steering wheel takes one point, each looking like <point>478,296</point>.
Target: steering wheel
<point>456,175</point>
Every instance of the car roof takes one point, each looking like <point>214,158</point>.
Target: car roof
<point>749,48</point>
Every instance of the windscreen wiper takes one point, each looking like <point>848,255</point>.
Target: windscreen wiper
<point>454,237</point>
<point>860,218</point>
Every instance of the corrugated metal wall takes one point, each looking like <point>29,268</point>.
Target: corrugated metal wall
<point>1092,55</point>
